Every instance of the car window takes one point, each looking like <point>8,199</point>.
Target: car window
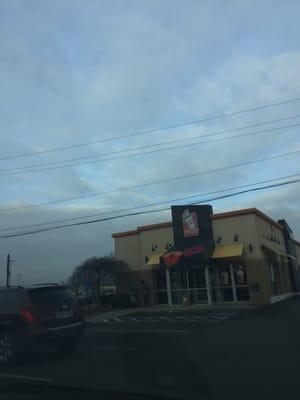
<point>50,296</point>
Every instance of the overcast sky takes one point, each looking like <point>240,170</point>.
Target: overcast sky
<point>74,71</point>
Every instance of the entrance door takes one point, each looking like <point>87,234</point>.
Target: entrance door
<point>179,285</point>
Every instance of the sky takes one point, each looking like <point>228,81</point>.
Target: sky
<point>75,72</point>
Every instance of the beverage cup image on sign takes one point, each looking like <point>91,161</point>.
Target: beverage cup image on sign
<point>190,224</point>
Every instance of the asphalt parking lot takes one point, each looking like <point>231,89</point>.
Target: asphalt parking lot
<point>245,355</point>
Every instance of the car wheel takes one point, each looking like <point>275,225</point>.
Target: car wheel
<point>8,349</point>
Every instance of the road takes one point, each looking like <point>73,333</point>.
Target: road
<point>254,354</point>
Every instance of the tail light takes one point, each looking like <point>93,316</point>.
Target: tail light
<point>29,317</point>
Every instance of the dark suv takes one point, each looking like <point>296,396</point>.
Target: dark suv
<point>46,314</point>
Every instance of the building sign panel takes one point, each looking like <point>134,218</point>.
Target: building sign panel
<point>192,228</point>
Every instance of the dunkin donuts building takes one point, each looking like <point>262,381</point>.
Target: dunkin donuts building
<point>201,257</point>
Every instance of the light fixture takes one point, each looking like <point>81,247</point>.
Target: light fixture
<point>236,237</point>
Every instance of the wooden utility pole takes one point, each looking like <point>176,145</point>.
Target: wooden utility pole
<point>9,261</point>
<point>8,270</point>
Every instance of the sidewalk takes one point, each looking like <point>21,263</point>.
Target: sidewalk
<point>164,309</point>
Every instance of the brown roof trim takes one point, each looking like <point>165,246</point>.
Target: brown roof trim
<point>128,233</point>
<point>154,226</point>
<point>228,214</point>
<point>247,211</point>
<point>237,213</point>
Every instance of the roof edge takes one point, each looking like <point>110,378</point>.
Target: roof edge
<point>227,214</point>
<point>126,233</point>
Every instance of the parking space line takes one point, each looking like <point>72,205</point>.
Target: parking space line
<point>166,319</point>
<point>25,377</point>
<point>216,317</point>
<point>184,318</point>
<point>109,348</point>
<point>121,331</point>
<point>150,319</point>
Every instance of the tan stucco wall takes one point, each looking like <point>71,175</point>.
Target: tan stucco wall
<point>128,249</point>
<point>244,226</point>
<point>133,249</point>
<point>258,281</point>
<point>265,229</point>
<point>154,237</point>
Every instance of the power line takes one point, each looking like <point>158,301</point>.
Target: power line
<point>144,132</point>
<point>154,182</point>
<point>36,167</point>
<point>22,170</point>
<point>141,212</point>
<point>147,205</point>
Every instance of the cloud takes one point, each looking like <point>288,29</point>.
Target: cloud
<point>88,73</point>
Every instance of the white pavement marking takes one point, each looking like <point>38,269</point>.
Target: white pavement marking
<point>117,319</point>
<point>166,319</point>
<point>184,318</point>
<point>96,321</point>
<point>134,319</point>
<point>109,348</point>
<point>150,319</point>
<point>135,331</point>
<point>217,317</point>
<point>28,378</point>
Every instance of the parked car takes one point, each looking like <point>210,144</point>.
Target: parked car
<point>39,315</point>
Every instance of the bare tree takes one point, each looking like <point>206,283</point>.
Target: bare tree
<point>96,272</point>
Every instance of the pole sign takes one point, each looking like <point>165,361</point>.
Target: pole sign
<point>192,228</point>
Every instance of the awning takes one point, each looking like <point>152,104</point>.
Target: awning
<point>154,259</point>
<point>225,251</point>
<point>172,258</point>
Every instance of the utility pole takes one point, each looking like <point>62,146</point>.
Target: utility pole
<point>8,271</point>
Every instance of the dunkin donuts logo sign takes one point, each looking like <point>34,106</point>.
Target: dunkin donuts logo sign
<point>190,224</point>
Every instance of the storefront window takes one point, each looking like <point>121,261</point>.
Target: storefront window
<point>225,285</point>
<point>240,276</point>
<point>197,279</point>
<point>225,278</point>
<point>161,287</point>
<point>161,283</point>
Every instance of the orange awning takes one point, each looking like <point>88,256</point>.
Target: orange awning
<point>172,258</point>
